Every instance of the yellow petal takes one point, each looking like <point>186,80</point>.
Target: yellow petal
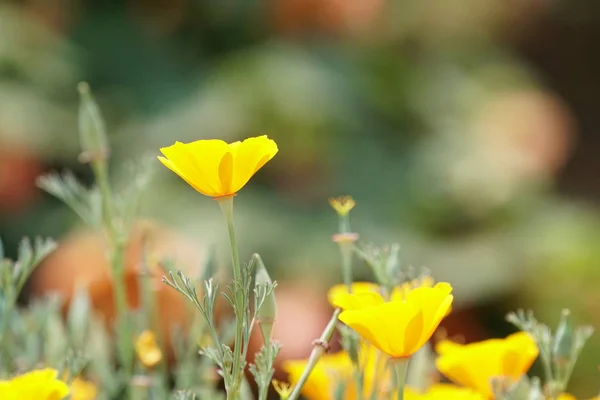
<point>248,157</point>
<point>384,326</point>
<point>347,301</point>
<point>198,164</point>
<point>215,168</point>
<point>38,384</point>
<point>356,288</point>
<point>434,304</point>
<point>322,382</point>
<point>475,364</point>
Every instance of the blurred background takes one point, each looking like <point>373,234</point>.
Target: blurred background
<point>465,130</point>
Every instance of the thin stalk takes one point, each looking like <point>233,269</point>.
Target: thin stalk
<point>226,204</point>
<point>117,249</point>
<point>317,351</point>
<point>378,372</point>
<point>150,315</point>
<point>346,253</point>
<point>400,368</point>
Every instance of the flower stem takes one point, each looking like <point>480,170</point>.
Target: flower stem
<point>346,253</point>
<point>240,300</point>
<point>116,249</point>
<point>400,368</point>
<point>317,351</point>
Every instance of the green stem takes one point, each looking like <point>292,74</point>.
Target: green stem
<point>117,250</point>
<point>226,204</point>
<point>346,253</point>
<point>400,368</point>
<point>317,351</point>
<point>378,372</point>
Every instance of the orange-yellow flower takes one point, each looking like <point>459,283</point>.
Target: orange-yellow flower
<point>323,380</point>
<point>443,392</point>
<point>338,294</point>
<point>337,369</point>
<point>83,390</point>
<point>147,349</point>
<point>216,168</point>
<point>475,364</point>
<point>401,327</point>
<point>40,384</point>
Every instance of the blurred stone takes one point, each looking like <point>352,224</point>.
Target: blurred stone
<point>19,169</point>
<point>332,16</point>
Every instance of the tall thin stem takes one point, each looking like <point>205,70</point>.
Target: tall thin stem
<point>317,351</point>
<point>117,250</point>
<point>400,368</point>
<point>240,301</point>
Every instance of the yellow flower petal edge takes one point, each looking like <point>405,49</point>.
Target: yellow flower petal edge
<point>322,382</point>
<point>474,365</point>
<point>40,384</point>
<point>400,328</point>
<point>341,290</point>
<point>443,392</point>
<point>216,168</point>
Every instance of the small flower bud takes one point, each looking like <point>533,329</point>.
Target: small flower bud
<point>268,311</point>
<point>283,389</point>
<point>562,345</point>
<point>342,205</point>
<point>147,349</point>
<point>92,131</point>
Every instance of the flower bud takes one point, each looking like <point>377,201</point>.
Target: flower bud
<point>562,345</point>
<point>147,349</point>
<point>342,205</point>
<point>92,130</point>
<point>268,311</point>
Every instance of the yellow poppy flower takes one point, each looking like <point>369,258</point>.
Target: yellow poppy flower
<point>399,292</point>
<point>83,390</point>
<point>398,328</point>
<point>331,370</point>
<point>339,295</point>
<point>147,349</point>
<point>335,369</point>
<point>35,385</point>
<point>475,364</point>
<point>216,168</point>
<point>443,392</point>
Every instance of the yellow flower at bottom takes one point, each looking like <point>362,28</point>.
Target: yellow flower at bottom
<point>147,349</point>
<point>216,168</point>
<point>474,365</point>
<point>322,382</point>
<point>337,369</point>
<point>35,385</point>
<point>338,293</point>
<point>443,392</point>
<point>83,390</point>
<point>398,328</point>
